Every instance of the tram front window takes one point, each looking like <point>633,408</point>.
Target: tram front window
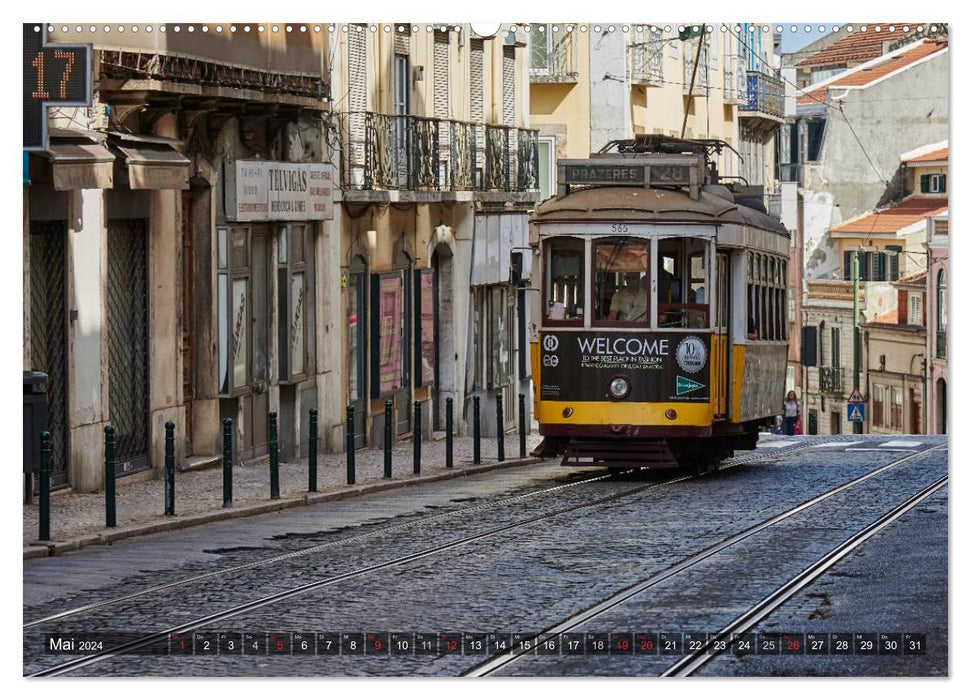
<point>564,280</point>
<point>622,274</point>
<point>682,283</point>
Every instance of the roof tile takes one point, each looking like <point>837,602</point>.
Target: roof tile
<point>893,218</point>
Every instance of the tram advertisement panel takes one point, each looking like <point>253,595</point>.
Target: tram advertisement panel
<point>658,366</point>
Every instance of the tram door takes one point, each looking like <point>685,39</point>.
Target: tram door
<point>720,337</point>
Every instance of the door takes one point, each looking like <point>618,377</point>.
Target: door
<point>438,408</point>
<point>357,347</point>
<point>835,423</point>
<point>402,397</point>
<point>401,107</point>
<point>127,334</point>
<point>256,405</point>
<point>188,315</point>
<point>48,333</point>
<point>720,342</point>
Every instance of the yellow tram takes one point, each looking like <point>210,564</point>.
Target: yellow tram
<point>662,328</point>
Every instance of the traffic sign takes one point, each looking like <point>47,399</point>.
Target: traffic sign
<point>855,412</point>
<point>855,396</point>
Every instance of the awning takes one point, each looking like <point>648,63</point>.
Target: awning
<point>79,160</point>
<point>150,162</point>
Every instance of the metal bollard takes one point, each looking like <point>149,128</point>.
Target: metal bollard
<point>227,463</point>
<point>110,476</point>
<point>45,486</point>
<point>312,452</point>
<point>388,418</point>
<point>274,458</point>
<point>350,445</point>
<point>476,454</point>
<point>500,431</point>
<point>416,439</point>
<point>522,425</point>
<point>169,468</point>
<point>448,433</point>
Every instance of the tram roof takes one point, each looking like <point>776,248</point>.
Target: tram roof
<point>626,203</point>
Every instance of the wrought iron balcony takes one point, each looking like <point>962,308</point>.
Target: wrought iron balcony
<point>831,380</point>
<point>647,62</point>
<point>551,56</point>
<point>765,95</point>
<point>941,348</point>
<point>388,152</point>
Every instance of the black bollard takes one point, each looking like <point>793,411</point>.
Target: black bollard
<point>169,468</point>
<point>350,445</point>
<point>522,425</point>
<point>476,454</point>
<point>274,458</point>
<point>388,419</point>
<point>110,476</point>
<point>448,433</point>
<point>227,463</point>
<point>500,430</point>
<point>312,450</point>
<point>45,486</point>
<point>416,439</point>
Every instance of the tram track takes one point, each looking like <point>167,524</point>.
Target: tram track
<point>744,460</point>
<point>758,612</point>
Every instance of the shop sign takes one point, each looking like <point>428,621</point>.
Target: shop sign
<point>259,190</point>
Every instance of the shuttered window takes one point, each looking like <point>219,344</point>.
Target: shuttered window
<point>440,58</point>
<point>894,262</point>
<point>356,95</point>
<point>402,41</point>
<point>509,85</point>
<point>475,81</point>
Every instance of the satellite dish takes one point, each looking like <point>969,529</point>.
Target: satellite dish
<point>486,29</point>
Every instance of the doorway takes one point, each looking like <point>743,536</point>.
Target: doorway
<point>357,346</point>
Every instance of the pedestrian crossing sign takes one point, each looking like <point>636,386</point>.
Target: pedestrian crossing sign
<point>855,412</point>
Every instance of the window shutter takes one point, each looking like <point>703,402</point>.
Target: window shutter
<point>943,183</point>
<point>880,267</point>
<point>509,85</point>
<point>894,262</point>
<point>402,41</point>
<point>356,94</point>
<point>475,81</point>
<point>809,344</point>
<point>847,265</point>
<point>864,258</point>
<point>925,183</point>
<point>441,75</point>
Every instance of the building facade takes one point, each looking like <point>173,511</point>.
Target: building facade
<point>172,236</point>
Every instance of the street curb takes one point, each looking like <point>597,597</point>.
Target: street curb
<point>37,550</point>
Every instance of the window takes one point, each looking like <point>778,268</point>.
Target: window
<point>915,311</point>
<point>896,407</point>
<point>547,167</point>
<point>234,313</point>
<point>766,301</point>
<point>933,184</point>
<point>892,252</point>
<point>941,314</point>
<point>879,398</point>
<point>814,138</point>
<point>682,283</point>
<point>563,292</point>
<point>293,299</point>
<point>621,272</point>
<point>540,49</point>
<point>836,346</point>
<point>388,314</point>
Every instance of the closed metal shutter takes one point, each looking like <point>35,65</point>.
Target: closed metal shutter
<point>509,85</point>
<point>475,81</point>
<point>441,75</point>
<point>402,40</point>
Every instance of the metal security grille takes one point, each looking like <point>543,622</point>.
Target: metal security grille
<point>127,331</point>
<point>48,325</point>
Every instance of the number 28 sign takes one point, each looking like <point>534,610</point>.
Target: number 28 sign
<point>55,75</point>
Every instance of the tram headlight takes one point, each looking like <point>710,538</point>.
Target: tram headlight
<point>619,387</point>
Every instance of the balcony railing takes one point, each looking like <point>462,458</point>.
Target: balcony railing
<point>647,62</point>
<point>551,56</point>
<point>941,348</point>
<point>389,152</point>
<point>831,380</point>
<point>765,94</point>
<point>735,83</point>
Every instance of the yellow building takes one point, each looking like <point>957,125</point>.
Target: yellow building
<point>591,83</point>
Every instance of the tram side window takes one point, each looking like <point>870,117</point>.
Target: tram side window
<point>622,280</point>
<point>564,280</point>
<point>682,283</point>
<point>766,308</point>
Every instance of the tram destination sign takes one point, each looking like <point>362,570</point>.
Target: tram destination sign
<point>681,170</point>
<point>589,173</point>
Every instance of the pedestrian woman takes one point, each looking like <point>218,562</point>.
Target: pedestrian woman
<point>792,411</point>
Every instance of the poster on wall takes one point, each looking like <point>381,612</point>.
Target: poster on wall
<point>387,327</point>
<point>425,325</point>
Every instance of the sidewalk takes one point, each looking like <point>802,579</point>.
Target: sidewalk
<point>78,519</point>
